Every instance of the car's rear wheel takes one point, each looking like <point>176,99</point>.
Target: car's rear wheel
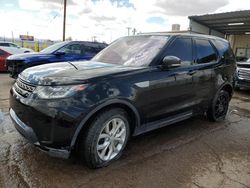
<point>105,139</point>
<point>219,106</point>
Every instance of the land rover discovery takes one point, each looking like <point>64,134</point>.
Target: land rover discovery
<point>137,84</point>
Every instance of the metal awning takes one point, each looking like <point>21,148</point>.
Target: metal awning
<point>237,22</point>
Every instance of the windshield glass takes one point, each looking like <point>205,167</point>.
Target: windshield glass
<point>132,51</point>
<point>53,47</point>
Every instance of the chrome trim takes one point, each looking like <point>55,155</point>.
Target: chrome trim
<point>25,86</point>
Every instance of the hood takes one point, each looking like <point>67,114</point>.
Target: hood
<point>30,56</point>
<point>72,72</point>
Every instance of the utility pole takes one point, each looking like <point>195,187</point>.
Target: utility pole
<point>134,31</point>
<point>128,28</point>
<point>64,18</point>
<point>12,35</point>
<point>94,38</point>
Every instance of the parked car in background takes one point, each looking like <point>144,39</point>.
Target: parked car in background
<point>242,75</point>
<point>59,52</point>
<point>10,44</point>
<point>6,52</point>
<point>136,84</point>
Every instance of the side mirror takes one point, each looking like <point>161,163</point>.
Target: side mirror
<point>171,61</point>
<point>59,53</point>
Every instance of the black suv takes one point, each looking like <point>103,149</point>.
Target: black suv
<point>135,85</point>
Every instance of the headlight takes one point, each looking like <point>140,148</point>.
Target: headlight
<point>56,92</point>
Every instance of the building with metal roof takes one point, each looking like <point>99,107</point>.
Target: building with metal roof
<point>234,26</point>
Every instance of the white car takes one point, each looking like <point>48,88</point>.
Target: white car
<point>13,45</point>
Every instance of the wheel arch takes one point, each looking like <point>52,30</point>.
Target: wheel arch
<point>127,106</point>
<point>227,87</point>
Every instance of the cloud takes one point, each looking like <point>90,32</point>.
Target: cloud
<point>106,19</point>
<point>190,7</point>
<point>102,18</point>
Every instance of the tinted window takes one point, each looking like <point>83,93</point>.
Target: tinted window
<point>205,52</point>
<point>4,44</point>
<point>89,49</point>
<point>72,49</point>
<point>224,49</point>
<point>181,48</point>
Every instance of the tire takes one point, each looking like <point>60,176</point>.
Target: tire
<point>219,106</point>
<point>101,134</point>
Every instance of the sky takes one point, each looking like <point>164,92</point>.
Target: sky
<point>105,19</point>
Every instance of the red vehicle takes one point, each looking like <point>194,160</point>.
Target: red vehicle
<point>4,53</point>
<point>3,56</point>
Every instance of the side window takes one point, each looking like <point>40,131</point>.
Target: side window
<point>224,49</point>
<point>88,49</point>
<point>204,51</point>
<point>74,49</point>
<point>181,48</point>
<point>4,44</point>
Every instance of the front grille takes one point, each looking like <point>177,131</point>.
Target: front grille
<point>243,65</point>
<point>23,88</point>
<point>244,74</point>
<point>14,66</point>
<point>12,63</point>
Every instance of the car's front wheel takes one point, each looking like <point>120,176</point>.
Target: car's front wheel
<point>105,139</point>
<point>219,106</point>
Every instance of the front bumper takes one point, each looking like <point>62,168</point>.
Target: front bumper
<point>242,77</point>
<point>242,83</point>
<point>14,67</point>
<point>28,133</point>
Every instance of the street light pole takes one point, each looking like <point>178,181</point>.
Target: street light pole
<point>128,28</point>
<point>64,18</point>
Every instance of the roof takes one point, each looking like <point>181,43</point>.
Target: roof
<point>6,42</point>
<point>186,33</point>
<point>12,50</point>
<point>237,22</point>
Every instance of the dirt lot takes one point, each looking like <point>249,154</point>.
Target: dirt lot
<point>193,153</point>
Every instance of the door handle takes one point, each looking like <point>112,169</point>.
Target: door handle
<point>191,73</point>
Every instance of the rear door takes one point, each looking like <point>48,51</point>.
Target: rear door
<point>88,51</point>
<point>206,59</point>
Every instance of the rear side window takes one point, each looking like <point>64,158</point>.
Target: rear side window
<point>205,53</point>
<point>90,49</point>
<point>181,48</point>
<point>224,49</point>
<point>4,44</point>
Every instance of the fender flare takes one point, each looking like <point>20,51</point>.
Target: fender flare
<point>103,105</point>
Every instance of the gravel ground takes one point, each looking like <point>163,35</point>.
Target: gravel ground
<point>193,153</point>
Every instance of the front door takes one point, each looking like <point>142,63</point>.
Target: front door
<point>171,91</point>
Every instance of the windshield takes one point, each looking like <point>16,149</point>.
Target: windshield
<point>54,47</point>
<point>132,51</point>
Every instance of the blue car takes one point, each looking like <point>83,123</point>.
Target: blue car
<point>59,52</point>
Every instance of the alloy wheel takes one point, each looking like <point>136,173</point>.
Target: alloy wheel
<point>111,139</point>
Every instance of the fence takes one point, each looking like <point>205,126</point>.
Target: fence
<point>36,45</point>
